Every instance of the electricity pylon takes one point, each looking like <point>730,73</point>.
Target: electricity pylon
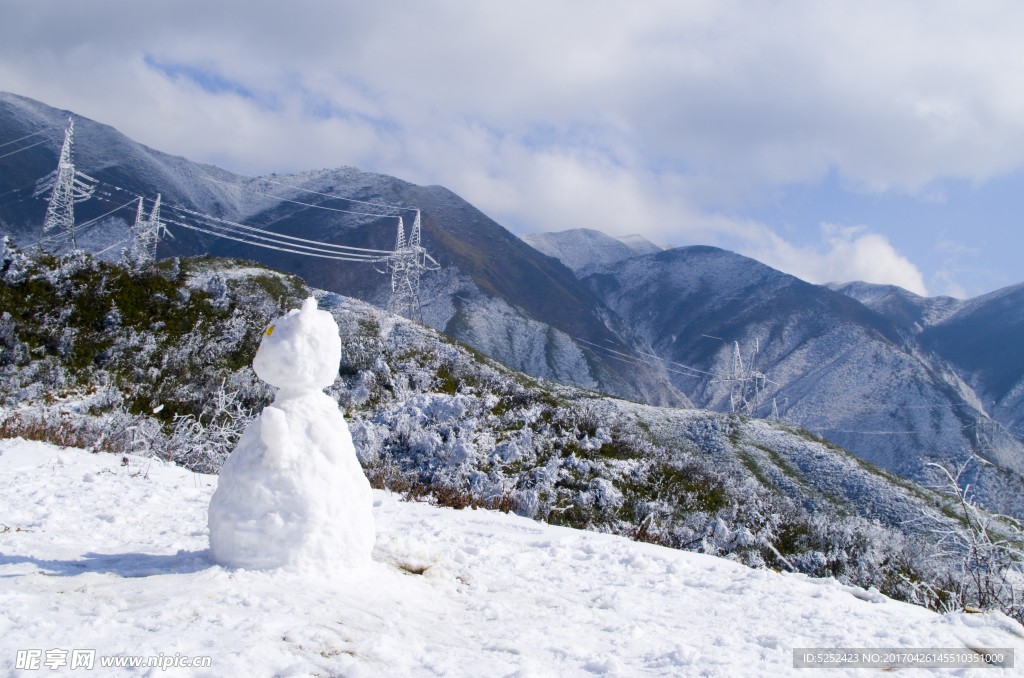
<point>67,186</point>
<point>747,385</point>
<point>405,265</point>
<point>146,233</point>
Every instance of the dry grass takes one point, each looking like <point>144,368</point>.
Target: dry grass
<point>62,430</point>
<point>388,477</point>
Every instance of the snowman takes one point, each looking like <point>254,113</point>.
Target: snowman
<point>292,493</point>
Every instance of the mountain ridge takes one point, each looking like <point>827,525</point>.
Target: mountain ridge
<point>537,310</point>
<point>583,248</point>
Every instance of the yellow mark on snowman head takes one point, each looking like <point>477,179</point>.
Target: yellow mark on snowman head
<point>270,330</point>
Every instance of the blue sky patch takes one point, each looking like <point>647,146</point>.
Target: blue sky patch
<point>209,80</point>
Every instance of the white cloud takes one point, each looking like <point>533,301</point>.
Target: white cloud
<point>744,95</point>
<point>847,254</point>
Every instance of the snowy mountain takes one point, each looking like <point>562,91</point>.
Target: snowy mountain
<point>494,291</point>
<point>908,310</point>
<point>979,337</point>
<point>115,560</point>
<point>835,366</point>
<point>900,387</point>
<point>583,248</point>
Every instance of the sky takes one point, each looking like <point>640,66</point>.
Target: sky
<point>837,141</point>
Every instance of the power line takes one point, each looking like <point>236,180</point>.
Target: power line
<point>603,348</point>
<point>92,221</point>
<point>374,255</point>
<point>271,247</point>
<point>671,362</point>
<point>321,207</point>
<point>251,238</point>
<point>26,137</point>
<point>23,149</point>
<point>107,249</point>
<point>837,430</point>
<point>20,188</point>
<point>336,197</point>
<point>275,235</point>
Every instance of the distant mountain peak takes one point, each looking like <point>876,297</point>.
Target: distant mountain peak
<point>641,245</point>
<point>585,248</point>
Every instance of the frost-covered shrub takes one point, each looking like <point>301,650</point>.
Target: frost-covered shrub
<point>164,353</point>
<point>115,432</point>
<point>73,321</point>
<point>983,553</point>
<point>203,442</point>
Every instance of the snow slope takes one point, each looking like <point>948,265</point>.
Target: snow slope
<point>112,557</point>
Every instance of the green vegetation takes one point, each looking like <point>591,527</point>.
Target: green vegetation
<point>70,324</point>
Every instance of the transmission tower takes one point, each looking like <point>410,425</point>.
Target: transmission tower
<point>757,381</point>
<point>400,240</point>
<point>737,361</point>
<point>406,265</point>
<point>747,385</point>
<point>146,233</point>
<point>67,186</point>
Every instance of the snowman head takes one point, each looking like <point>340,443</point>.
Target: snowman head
<point>300,351</point>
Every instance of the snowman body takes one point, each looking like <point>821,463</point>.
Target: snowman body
<point>292,494</point>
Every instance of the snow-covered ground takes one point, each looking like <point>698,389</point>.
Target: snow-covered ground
<point>113,557</point>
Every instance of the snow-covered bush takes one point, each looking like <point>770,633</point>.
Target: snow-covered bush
<point>72,323</point>
<point>115,432</point>
<point>203,442</point>
<point>983,552</point>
